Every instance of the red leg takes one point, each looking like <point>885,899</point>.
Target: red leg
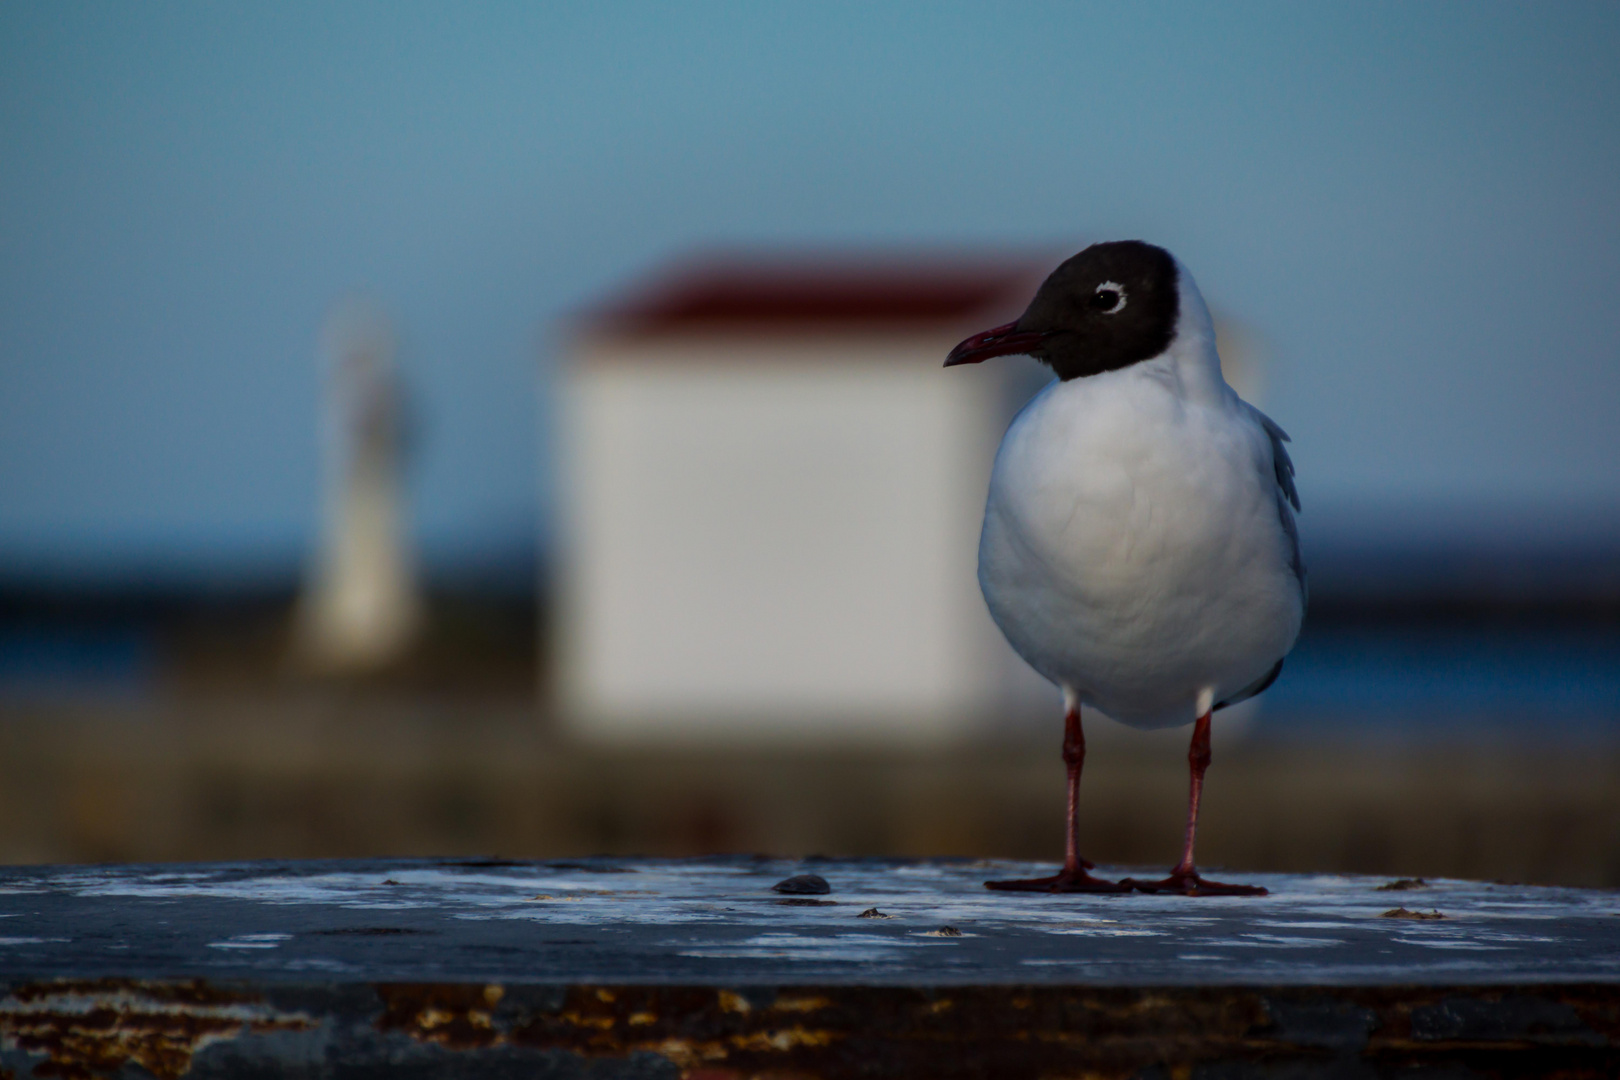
<point>1073,876</point>
<point>1184,877</point>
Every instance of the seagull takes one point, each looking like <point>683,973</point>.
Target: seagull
<point>1139,547</point>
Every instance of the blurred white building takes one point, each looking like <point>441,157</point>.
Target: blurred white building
<point>773,494</point>
<point>772,500</point>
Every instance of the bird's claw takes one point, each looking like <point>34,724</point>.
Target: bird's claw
<point>1189,883</point>
<point>1064,881</point>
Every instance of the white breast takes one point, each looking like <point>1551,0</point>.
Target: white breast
<point>1132,549</point>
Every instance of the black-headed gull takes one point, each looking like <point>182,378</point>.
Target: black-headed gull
<point>1139,547</point>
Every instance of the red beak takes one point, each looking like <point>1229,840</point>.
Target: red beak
<point>1000,341</point>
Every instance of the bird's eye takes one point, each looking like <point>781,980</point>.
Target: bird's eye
<point>1109,298</point>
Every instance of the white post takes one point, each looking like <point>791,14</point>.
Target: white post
<point>361,606</point>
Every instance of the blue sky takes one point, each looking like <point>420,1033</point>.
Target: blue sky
<point>1416,206</point>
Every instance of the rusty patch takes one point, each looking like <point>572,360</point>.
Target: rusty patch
<point>454,1016</point>
<point>1026,1033</point>
<point>695,1029</point>
<point>89,1028</point>
<point>707,1033</point>
<point>781,1039</point>
<point>794,1003</point>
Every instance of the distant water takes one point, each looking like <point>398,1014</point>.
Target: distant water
<point>54,663</point>
<point>1372,679</point>
<point>1556,681</point>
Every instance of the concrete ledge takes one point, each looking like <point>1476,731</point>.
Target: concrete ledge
<point>698,968</point>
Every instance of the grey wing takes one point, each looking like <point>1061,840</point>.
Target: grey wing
<point>1281,464</point>
<point>1282,467</point>
<point>1259,686</point>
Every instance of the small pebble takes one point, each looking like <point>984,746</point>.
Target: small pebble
<point>873,913</point>
<point>803,885</point>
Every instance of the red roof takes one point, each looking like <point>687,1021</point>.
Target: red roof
<point>783,293</point>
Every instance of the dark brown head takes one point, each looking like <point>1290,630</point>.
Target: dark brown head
<point>1111,306</point>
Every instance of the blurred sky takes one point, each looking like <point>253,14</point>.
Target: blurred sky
<point>1416,206</point>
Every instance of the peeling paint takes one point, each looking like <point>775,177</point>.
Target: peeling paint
<point>1030,1032</point>
<point>453,1016</point>
<point>791,1003</point>
<point>598,1022</point>
<point>93,1028</point>
<point>690,1028</point>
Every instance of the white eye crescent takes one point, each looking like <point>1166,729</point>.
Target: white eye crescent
<point>1109,298</point>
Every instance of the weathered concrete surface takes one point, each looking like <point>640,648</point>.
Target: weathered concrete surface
<point>698,968</point>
